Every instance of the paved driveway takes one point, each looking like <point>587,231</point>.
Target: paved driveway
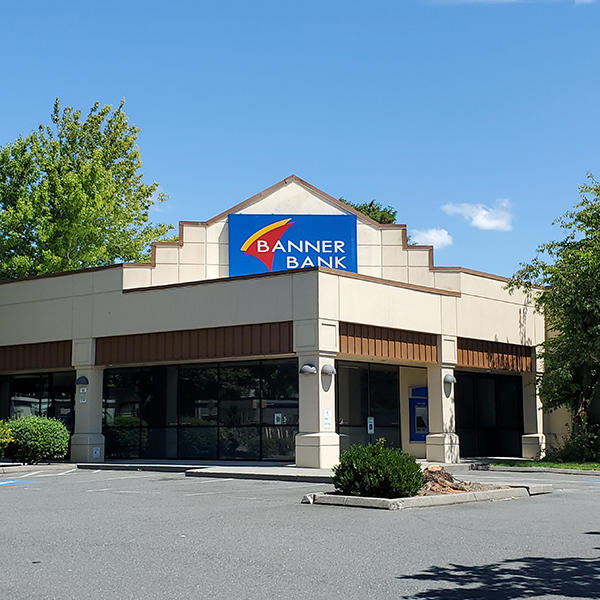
<point>116,535</point>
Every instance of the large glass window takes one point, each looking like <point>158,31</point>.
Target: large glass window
<point>241,410</point>
<point>366,391</point>
<point>489,414</point>
<point>42,394</point>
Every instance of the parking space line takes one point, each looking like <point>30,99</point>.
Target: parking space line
<point>29,474</point>
<point>67,472</point>
<point>96,480</point>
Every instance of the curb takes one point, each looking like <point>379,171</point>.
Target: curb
<point>507,469</point>
<point>261,476</point>
<point>134,467</point>
<point>21,468</point>
<point>511,493</point>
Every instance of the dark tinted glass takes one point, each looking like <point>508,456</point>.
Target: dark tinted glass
<point>134,397</point>
<point>239,412</point>
<point>198,442</point>
<point>278,442</point>
<point>510,402</point>
<point>239,381</point>
<point>25,396</point>
<point>198,389</point>
<point>123,442</point>
<point>464,401</point>
<point>385,401</point>
<point>353,390</point>
<point>486,402</point>
<point>239,442</point>
<point>160,443</point>
<point>280,380</point>
<point>280,412</point>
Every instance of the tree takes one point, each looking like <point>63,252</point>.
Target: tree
<point>377,212</point>
<point>564,281</point>
<point>72,195</point>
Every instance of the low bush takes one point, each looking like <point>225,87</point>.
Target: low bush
<point>582,445</point>
<point>378,472</point>
<point>5,437</point>
<point>36,439</point>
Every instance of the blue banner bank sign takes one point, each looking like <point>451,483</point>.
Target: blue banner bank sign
<point>268,243</point>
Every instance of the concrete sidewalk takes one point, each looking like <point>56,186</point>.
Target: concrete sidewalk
<point>268,471</point>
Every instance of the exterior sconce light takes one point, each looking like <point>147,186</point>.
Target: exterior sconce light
<point>308,369</point>
<point>83,380</point>
<point>449,379</point>
<point>328,370</point>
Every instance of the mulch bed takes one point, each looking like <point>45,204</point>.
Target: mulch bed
<point>439,481</point>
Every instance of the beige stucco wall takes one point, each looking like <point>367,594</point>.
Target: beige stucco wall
<point>92,304</point>
<point>485,309</point>
<point>204,253</point>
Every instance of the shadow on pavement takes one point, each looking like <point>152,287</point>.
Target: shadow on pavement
<point>527,577</point>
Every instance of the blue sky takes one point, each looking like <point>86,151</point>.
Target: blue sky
<point>475,119</point>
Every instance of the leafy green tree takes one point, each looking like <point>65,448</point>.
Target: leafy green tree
<point>377,212</point>
<point>564,281</point>
<point>72,195</point>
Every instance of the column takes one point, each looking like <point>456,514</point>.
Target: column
<point>87,441</point>
<point>533,442</point>
<point>442,441</point>
<point>317,443</point>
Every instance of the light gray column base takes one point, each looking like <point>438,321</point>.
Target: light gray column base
<point>317,450</point>
<point>87,447</point>
<point>533,445</point>
<point>442,448</point>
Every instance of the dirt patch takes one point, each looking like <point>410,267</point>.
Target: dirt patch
<point>439,481</point>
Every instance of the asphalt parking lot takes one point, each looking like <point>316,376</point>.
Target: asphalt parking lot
<point>121,534</point>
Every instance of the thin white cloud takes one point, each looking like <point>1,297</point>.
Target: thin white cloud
<point>438,238</point>
<point>491,218</point>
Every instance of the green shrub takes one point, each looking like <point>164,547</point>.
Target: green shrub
<point>582,445</point>
<point>378,472</point>
<point>5,437</point>
<point>36,439</point>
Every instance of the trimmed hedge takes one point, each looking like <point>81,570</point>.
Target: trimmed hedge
<point>36,439</point>
<point>378,472</point>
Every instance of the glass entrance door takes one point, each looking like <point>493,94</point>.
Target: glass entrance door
<point>364,391</point>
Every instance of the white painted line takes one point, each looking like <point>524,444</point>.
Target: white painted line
<point>133,492</point>
<point>29,474</point>
<point>99,490</point>
<point>97,480</point>
<point>67,472</point>
<point>97,471</point>
<point>130,477</point>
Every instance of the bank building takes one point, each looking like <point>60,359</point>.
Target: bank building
<point>284,329</point>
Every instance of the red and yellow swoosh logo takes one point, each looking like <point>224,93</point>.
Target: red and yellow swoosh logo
<point>268,235</point>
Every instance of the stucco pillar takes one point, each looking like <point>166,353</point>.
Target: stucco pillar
<point>317,443</point>
<point>87,441</point>
<point>533,442</point>
<point>442,441</point>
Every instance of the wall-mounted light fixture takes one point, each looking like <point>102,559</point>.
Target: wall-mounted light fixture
<point>328,370</point>
<point>308,369</point>
<point>449,379</point>
<point>82,380</point>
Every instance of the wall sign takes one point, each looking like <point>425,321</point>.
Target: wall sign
<point>268,243</point>
<point>370,425</point>
<point>418,413</point>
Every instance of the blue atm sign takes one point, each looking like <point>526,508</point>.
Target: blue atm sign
<point>268,243</point>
